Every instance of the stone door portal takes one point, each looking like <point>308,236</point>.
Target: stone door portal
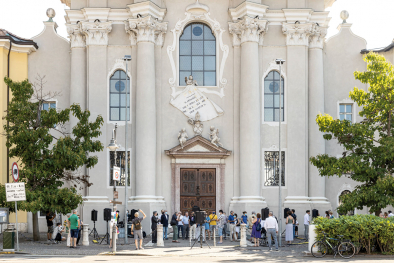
<point>198,187</point>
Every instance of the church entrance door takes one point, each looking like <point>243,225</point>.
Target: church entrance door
<point>198,187</point>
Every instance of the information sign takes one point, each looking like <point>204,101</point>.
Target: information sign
<point>116,173</point>
<point>15,192</point>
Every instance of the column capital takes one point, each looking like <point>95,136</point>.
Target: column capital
<point>248,30</point>
<point>297,33</point>
<point>316,39</point>
<point>77,38</point>
<point>146,29</point>
<point>96,32</point>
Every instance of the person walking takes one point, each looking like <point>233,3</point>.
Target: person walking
<point>256,229</point>
<point>154,221</point>
<point>73,225</point>
<point>293,214</point>
<point>231,222</point>
<point>289,227</point>
<point>174,225</point>
<point>271,226</point>
<point>185,226</point>
<point>193,226</point>
<point>164,221</point>
<point>306,224</point>
<point>180,223</point>
<point>136,228</point>
<point>212,224</point>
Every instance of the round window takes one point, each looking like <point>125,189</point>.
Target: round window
<point>197,31</point>
<point>274,86</point>
<point>119,86</point>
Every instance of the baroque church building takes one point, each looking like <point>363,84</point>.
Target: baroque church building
<point>209,140</point>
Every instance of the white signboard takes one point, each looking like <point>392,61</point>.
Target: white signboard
<point>116,173</point>
<point>15,192</point>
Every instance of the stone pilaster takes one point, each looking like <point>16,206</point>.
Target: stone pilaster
<point>248,33</point>
<point>146,31</point>
<point>316,106</point>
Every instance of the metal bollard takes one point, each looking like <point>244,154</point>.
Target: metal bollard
<point>214,236</point>
<point>85,235</point>
<point>114,238</point>
<point>160,241</point>
<point>243,243</point>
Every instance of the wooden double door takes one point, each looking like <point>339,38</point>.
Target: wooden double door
<point>198,188</point>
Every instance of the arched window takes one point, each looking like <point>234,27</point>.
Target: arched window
<point>271,97</point>
<point>197,55</point>
<point>117,93</point>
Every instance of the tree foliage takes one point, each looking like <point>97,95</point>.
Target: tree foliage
<point>368,156</point>
<point>48,155</point>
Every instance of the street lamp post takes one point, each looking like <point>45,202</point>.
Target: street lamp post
<point>126,58</point>
<point>112,146</point>
<point>280,62</point>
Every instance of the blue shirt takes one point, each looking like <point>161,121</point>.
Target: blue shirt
<point>244,219</point>
<point>207,224</point>
<point>231,218</point>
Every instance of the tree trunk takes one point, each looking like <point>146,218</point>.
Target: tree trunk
<point>36,230</point>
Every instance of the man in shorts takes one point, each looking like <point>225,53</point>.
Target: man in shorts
<point>49,217</point>
<point>136,228</point>
<point>73,224</point>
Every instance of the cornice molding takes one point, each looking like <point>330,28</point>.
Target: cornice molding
<point>92,14</point>
<point>77,37</point>
<point>5,43</point>
<point>248,30</point>
<point>328,3</point>
<point>297,34</point>
<point>146,29</point>
<point>66,2</point>
<point>96,33</point>
<point>301,15</point>
<point>247,9</point>
<point>146,9</point>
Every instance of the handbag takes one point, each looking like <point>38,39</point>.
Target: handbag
<point>173,222</point>
<point>258,226</point>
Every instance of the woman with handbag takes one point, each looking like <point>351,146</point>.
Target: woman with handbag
<point>289,231</point>
<point>256,229</point>
<point>174,225</point>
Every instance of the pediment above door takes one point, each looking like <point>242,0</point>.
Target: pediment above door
<point>198,147</point>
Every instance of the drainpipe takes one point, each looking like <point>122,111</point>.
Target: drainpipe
<point>8,102</point>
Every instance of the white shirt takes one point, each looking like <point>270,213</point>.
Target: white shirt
<point>270,222</point>
<point>391,214</point>
<point>306,219</point>
<point>180,223</point>
<point>185,220</point>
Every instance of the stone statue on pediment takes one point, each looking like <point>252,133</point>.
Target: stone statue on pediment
<point>214,136</point>
<point>182,137</point>
<point>197,124</point>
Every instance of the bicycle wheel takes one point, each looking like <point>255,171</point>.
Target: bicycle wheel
<point>346,249</point>
<point>319,249</point>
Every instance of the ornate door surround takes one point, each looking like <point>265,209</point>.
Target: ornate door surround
<point>197,153</point>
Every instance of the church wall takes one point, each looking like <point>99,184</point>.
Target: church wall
<point>119,3</point>
<point>341,58</point>
<point>78,4</point>
<point>118,37</point>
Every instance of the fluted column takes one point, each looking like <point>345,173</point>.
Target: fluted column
<point>146,31</point>
<point>247,33</point>
<point>78,68</point>
<point>316,106</point>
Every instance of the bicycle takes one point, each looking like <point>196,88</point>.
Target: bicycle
<point>345,248</point>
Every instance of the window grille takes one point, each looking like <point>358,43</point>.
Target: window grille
<point>271,97</point>
<point>271,160</point>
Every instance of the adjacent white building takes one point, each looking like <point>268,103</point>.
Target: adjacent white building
<point>229,47</point>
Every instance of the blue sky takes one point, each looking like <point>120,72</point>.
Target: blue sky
<point>372,19</point>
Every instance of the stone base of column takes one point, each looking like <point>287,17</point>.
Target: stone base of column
<point>148,204</point>
<point>247,203</point>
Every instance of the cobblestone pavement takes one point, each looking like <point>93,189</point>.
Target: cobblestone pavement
<point>43,247</point>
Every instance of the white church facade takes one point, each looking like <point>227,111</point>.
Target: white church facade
<point>227,156</point>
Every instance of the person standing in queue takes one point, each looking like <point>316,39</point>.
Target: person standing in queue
<point>136,229</point>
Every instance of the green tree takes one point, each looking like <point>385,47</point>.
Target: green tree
<point>48,155</point>
<point>368,156</point>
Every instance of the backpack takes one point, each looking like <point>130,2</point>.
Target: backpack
<point>258,225</point>
<point>137,224</point>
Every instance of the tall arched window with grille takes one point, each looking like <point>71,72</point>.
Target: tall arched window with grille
<point>197,55</point>
<point>117,94</point>
<point>271,97</point>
